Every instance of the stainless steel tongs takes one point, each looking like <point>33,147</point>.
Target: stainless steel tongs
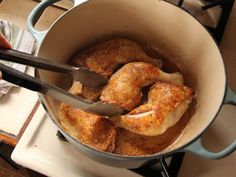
<point>83,75</point>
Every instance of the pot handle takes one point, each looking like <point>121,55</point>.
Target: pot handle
<point>37,12</point>
<point>197,148</point>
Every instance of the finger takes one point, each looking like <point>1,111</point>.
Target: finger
<point>4,42</point>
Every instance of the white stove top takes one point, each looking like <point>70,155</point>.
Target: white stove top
<point>40,149</point>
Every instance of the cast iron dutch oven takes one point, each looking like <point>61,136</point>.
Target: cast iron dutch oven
<point>153,22</point>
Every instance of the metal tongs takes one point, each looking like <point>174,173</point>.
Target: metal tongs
<point>84,75</point>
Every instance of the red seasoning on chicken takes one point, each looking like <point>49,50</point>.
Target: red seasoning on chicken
<point>125,86</point>
<point>149,126</point>
<point>105,57</point>
<point>166,104</point>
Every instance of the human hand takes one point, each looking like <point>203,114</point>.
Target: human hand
<point>4,43</point>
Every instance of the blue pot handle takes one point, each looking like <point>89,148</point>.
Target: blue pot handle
<point>37,12</point>
<point>197,148</point>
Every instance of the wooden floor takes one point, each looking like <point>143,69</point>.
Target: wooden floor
<point>6,170</point>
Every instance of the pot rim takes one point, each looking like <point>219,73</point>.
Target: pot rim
<point>111,155</point>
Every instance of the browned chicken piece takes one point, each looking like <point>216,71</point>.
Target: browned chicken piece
<point>166,104</point>
<point>76,88</point>
<point>125,86</point>
<point>92,94</point>
<point>106,57</point>
<point>132,144</point>
<point>86,92</point>
<point>88,128</point>
<point>163,109</point>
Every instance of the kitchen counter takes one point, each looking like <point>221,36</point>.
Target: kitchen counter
<point>13,123</point>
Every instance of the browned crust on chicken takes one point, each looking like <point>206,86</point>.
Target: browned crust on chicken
<point>100,133</point>
<point>166,104</point>
<point>105,57</point>
<point>88,128</point>
<point>132,144</point>
<point>124,87</point>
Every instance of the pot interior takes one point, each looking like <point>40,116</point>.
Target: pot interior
<point>154,23</point>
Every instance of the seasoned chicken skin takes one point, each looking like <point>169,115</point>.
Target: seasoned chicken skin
<point>88,128</point>
<point>166,104</point>
<point>125,86</point>
<point>88,93</point>
<point>105,57</point>
<point>133,133</point>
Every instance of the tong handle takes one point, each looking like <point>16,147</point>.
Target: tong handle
<point>21,79</point>
<point>84,75</point>
<point>18,78</point>
<point>30,60</point>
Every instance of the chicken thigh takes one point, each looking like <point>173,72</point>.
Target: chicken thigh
<point>88,128</point>
<point>166,104</point>
<point>125,86</point>
<point>105,57</point>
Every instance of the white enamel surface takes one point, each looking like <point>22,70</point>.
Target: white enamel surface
<point>156,23</point>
